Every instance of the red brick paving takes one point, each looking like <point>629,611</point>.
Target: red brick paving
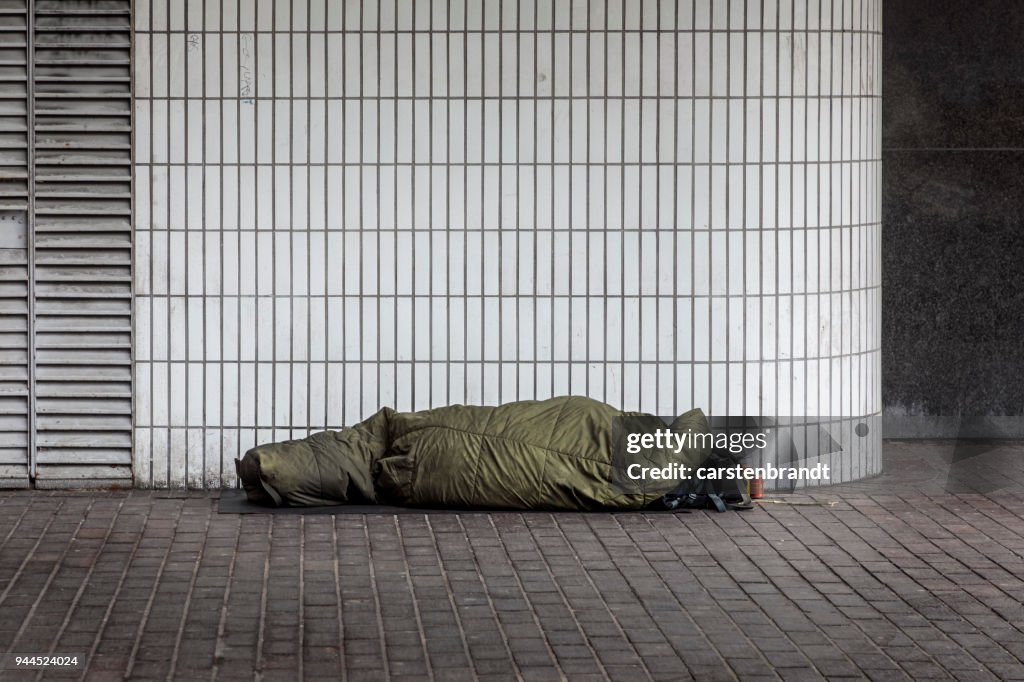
<point>886,584</point>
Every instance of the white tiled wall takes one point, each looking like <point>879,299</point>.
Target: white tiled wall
<point>343,205</point>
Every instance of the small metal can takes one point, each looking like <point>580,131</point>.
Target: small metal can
<point>755,486</point>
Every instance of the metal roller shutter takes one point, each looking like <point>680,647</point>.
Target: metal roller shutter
<point>83,239</point>
<point>77,283</point>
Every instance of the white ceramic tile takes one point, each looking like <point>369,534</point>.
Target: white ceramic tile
<point>354,255</point>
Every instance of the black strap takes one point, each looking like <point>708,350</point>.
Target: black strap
<point>716,500</point>
<point>269,489</point>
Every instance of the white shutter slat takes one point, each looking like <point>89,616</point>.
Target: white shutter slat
<point>15,309</point>
<point>82,240</point>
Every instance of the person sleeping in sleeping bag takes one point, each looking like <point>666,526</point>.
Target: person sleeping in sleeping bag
<point>563,453</point>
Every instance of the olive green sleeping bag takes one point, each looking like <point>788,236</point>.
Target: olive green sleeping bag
<point>552,454</point>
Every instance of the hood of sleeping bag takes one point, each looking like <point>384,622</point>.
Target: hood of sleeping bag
<point>554,454</point>
<point>329,467</point>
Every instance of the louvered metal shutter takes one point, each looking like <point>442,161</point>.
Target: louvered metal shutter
<point>70,294</point>
<point>15,397</point>
<point>83,243</point>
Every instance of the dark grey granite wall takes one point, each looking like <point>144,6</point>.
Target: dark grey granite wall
<point>953,209</point>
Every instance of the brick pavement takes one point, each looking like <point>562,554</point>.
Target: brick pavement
<point>913,575</point>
